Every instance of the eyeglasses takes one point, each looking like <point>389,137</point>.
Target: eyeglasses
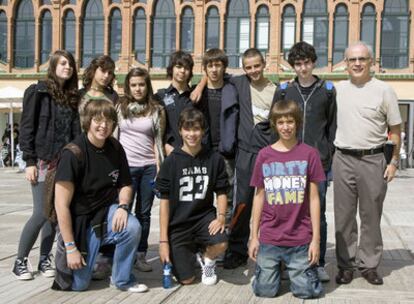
<point>353,60</point>
<point>101,120</point>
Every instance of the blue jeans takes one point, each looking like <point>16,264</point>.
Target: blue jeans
<point>126,243</point>
<point>323,187</point>
<point>304,282</point>
<point>144,197</point>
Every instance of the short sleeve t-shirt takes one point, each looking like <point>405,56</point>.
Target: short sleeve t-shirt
<point>102,172</point>
<point>285,177</point>
<point>364,114</point>
<point>262,98</point>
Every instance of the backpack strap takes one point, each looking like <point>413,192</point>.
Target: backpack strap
<point>283,87</point>
<point>75,149</point>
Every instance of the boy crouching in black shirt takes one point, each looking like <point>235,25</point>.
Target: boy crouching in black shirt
<point>186,181</point>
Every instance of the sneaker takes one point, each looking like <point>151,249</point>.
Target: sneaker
<point>233,260</point>
<point>102,268</point>
<point>134,288</point>
<point>141,264</point>
<point>45,267</point>
<point>21,269</point>
<point>322,274</point>
<point>209,276</point>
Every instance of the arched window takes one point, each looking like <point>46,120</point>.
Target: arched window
<point>69,36</point>
<point>187,30</point>
<point>46,37</point>
<point>340,39</point>
<point>93,32</point>
<point>116,1</point>
<point>140,29</point>
<point>163,34</point>
<point>73,2</point>
<point>115,35</point>
<point>262,29</point>
<point>3,36</point>
<point>315,28</point>
<point>395,34</point>
<point>237,31</point>
<point>369,25</point>
<point>3,2</point>
<point>288,29</point>
<point>24,35</point>
<point>212,28</point>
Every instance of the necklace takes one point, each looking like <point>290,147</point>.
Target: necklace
<point>97,89</point>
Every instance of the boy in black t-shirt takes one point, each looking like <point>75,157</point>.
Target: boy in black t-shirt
<point>216,110</point>
<point>186,181</point>
<point>93,191</point>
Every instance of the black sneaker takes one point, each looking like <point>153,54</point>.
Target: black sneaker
<point>233,260</point>
<point>21,269</point>
<point>45,267</point>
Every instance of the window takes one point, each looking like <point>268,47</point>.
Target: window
<point>3,36</point>
<point>368,26</point>
<point>45,2</point>
<point>69,36</point>
<point>115,35</point>
<point>140,29</point>
<point>46,37</point>
<point>73,2</point>
<point>93,32</point>
<point>315,28</point>
<point>340,39</point>
<point>395,33</point>
<point>237,31</point>
<point>163,34</point>
<point>262,29</point>
<point>187,30</point>
<point>288,29</point>
<point>212,28</point>
<point>3,2</point>
<point>24,35</point>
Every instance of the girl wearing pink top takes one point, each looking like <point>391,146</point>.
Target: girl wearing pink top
<point>140,131</point>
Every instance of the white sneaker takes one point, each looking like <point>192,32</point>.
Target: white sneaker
<point>134,288</point>
<point>322,274</point>
<point>209,276</point>
<point>141,264</point>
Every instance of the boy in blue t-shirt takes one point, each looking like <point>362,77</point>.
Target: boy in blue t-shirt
<point>286,209</point>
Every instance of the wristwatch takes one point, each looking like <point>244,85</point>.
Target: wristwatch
<point>123,206</point>
<point>395,162</point>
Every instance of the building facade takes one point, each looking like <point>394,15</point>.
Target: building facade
<point>145,32</point>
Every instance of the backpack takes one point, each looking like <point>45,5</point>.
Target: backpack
<point>328,89</point>
<point>49,186</point>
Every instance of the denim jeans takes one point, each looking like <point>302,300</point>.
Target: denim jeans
<point>304,282</point>
<point>126,243</point>
<point>323,187</point>
<point>144,197</point>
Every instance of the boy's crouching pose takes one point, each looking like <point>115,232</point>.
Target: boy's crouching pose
<point>286,208</point>
<point>187,181</point>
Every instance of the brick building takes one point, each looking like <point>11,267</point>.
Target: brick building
<point>144,32</point>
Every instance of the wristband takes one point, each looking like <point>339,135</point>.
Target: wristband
<point>222,214</point>
<point>71,250</point>
<point>124,207</point>
<point>69,244</point>
<point>163,242</point>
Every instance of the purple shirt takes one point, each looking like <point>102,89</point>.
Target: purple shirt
<point>285,177</point>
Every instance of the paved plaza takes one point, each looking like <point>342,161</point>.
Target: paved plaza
<point>397,266</point>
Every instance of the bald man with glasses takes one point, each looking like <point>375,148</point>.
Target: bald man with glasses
<point>366,109</point>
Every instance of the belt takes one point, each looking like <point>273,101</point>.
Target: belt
<point>360,153</point>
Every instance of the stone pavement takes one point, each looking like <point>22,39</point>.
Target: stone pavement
<point>397,266</point>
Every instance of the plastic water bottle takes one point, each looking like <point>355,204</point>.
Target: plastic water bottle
<point>166,277</point>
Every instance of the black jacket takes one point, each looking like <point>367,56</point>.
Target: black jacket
<point>319,120</point>
<point>37,125</point>
<point>250,137</point>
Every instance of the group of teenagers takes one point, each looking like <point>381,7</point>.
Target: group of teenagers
<point>229,151</point>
